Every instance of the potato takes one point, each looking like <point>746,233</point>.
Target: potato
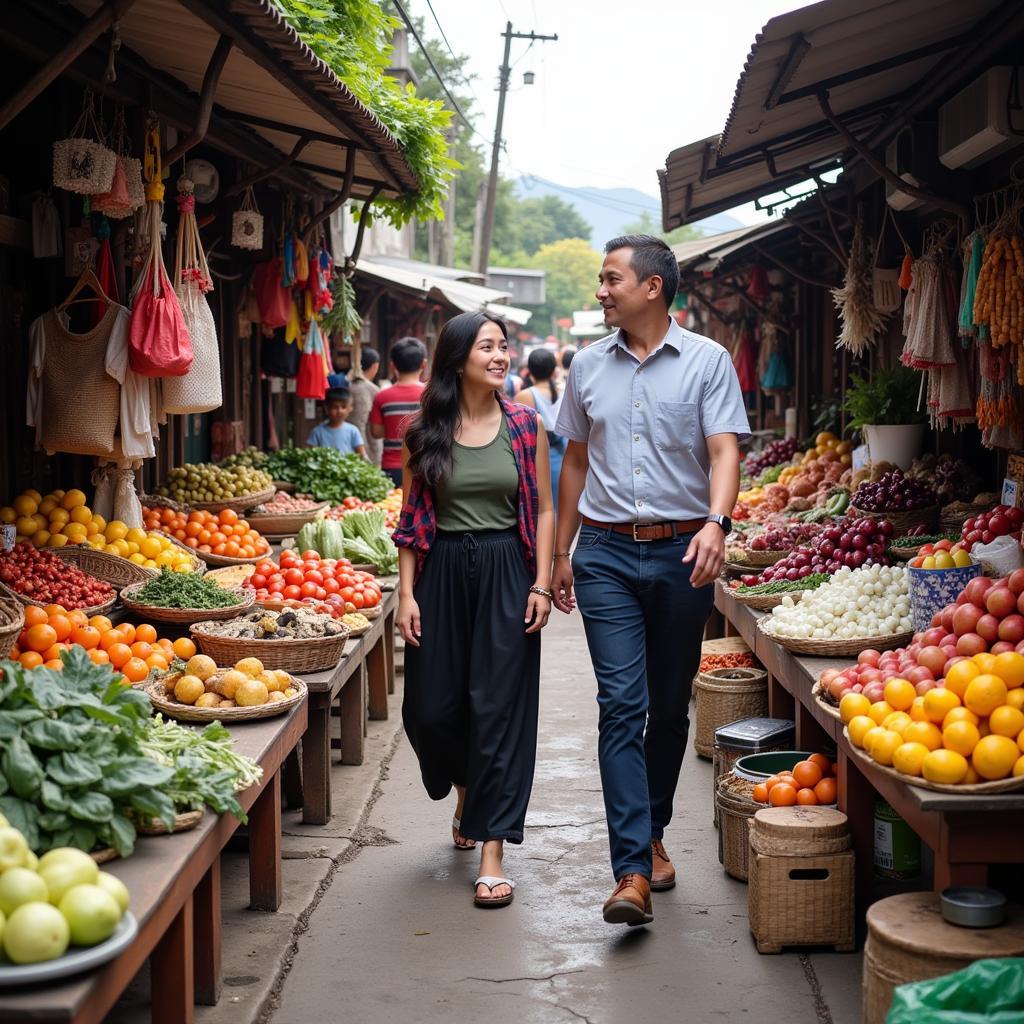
<point>207,700</point>
<point>275,697</point>
<point>230,682</point>
<point>201,665</point>
<point>270,681</point>
<point>252,667</point>
<point>189,689</point>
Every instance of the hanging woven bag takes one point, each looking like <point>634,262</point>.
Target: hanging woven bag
<point>127,192</point>
<point>84,163</point>
<point>312,378</point>
<point>247,223</point>
<point>199,390</point>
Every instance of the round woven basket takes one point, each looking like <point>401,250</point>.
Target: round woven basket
<point>726,695</point>
<point>315,655</point>
<point>186,616</point>
<point>904,522</point>
<point>762,559</point>
<point>824,703</point>
<point>953,516</point>
<point>903,554</point>
<point>231,576</point>
<point>183,822</point>
<point>799,831</point>
<point>113,569</point>
<point>284,485</point>
<point>764,602</point>
<point>736,808</point>
<point>187,713</point>
<point>211,559</point>
<point>739,569</point>
<point>12,622</point>
<point>104,855</point>
<point>354,631</point>
<point>159,501</point>
<point>284,524</point>
<point>27,602</point>
<point>836,648</point>
<point>240,504</point>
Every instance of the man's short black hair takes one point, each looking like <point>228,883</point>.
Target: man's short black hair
<point>408,354</point>
<point>367,358</point>
<point>651,256</point>
<point>342,395</point>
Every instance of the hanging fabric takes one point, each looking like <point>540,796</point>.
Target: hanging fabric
<point>312,377</point>
<point>199,390</point>
<point>301,262</point>
<point>104,274</point>
<point>160,345</point>
<point>274,300</point>
<point>46,233</point>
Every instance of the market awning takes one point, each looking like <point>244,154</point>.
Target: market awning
<point>866,55</point>
<point>706,253</point>
<point>459,295</point>
<point>270,81</point>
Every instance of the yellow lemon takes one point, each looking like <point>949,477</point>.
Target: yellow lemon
<point>81,514</point>
<point>944,766</point>
<point>122,548</point>
<point>47,505</point>
<point>858,728</point>
<point>1009,667</point>
<point>985,661</point>
<point>42,523</point>
<point>994,757</point>
<point>962,737</point>
<point>885,745</point>
<point>99,524</point>
<point>939,702</point>
<point>165,558</point>
<point>1015,698</point>
<point>961,559</point>
<point>57,540</point>
<point>908,758</point>
<point>150,564</point>
<point>183,567</point>
<point>971,778</point>
<point>137,558</point>
<point>8,515</point>
<point>960,715</point>
<point>1018,767</point>
<point>115,530</point>
<point>927,734</point>
<point>897,721</point>
<point>929,562</point>
<point>133,547</point>
<point>26,526</point>
<point>72,499</point>
<point>75,532</point>
<point>944,560</point>
<point>984,694</point>
<point>1006,721</point>
<point>880,711</point>
<point>112,549</point>
<point>853,704</point>
<point>136,535</point>
<point>959,675</point>
<point>25,505</point>
<point>150,547</point>
<point>40,538</point>
<point>59,517</point>
<point>899,694</point>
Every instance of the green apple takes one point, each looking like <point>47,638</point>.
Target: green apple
<point>112,884</point>
<point>31,861</point>
<point>35,932</point>
<point>91,912</point>
<point>64,875</point>
<point>12,848</point>
<point>66,854</point>
<point>19,885</point>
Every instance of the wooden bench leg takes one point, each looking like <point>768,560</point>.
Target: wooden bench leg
<point>265,848</point>
<point>352,702</point>
<point>171,972</point>
<point>780,701</point>
<point>377,673</point>
<point>316,766</point>
<point>389,648</point>
<point>292,780</point>
<point>207,944</point>
<point>856,799</point>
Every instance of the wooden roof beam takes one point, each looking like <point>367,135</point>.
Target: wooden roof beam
<point>218,59</point>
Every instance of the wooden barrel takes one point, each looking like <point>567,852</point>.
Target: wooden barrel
<point>908,940</point>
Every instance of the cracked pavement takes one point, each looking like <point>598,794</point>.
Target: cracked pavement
<point>394,935</point>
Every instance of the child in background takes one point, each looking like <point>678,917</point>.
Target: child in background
<point>335,431</point>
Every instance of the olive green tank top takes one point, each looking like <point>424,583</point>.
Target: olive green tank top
<point>482,491</point>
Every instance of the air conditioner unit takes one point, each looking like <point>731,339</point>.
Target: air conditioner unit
<point>974,125</point>
<point>911,155</point>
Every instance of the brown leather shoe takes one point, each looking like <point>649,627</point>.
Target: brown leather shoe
<point>663,874</point>
<point>630,903</point>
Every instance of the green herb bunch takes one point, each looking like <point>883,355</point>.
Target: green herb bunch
<point>184,590</point>
<point>328,475</point>
<point>887,398</point>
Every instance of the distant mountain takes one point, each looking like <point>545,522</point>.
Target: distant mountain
<point>609,210</point>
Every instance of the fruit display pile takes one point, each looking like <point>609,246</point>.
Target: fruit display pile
<point>894,492</point>
<point>43,577</point>
<point>943,554</point>
<point>392,506</point>
<point>783,537</point>
<point>329,585</point>
<point>250,458</point>
<point>951,478</point>
<point>200,683</point>
<point>774,453</point>
<point>810,783</point>
<point>216,533</point>
<point>284,503</point>
<point>205,481</point>
<point>1001,521</point>
<point>172,590</point>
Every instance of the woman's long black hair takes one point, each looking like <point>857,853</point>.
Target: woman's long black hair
<point>541,365</point>
<point>432,433</point>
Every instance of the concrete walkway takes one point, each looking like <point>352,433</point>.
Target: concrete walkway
<point>390,933</point>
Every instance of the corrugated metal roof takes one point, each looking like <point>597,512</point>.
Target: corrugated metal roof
<point>270,74</point>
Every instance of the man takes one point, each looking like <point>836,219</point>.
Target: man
<point>364,389</point>
<point>394,407</point>
<point>650,412</point>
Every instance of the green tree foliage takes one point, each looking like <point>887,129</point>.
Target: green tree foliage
<point>354,38</point>
<point>570,266</point>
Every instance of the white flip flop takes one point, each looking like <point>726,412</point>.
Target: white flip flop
<point>470,843</point>
<point>492,882</point>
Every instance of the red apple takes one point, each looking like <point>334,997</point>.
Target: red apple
<point>932,658</point>
<point>856,688</point>
<point>976,589</point>
<point>1015,581</point>
<point>932,637</point>
<point>1020,647</point>
<point>936,620</point>
<point>970,644</point>
<point>1001,647</point>
<point>828,675</point>
<point>947,617</point>
<point>1011,629</point>
<point>966,618</point>
<point>954,660</point>
<point>871,675</point>
<point>924,686</point>
<point>922,672</point>
<point>837,688</point>
<point>1001,601</point>
<point>987,628</point>
<point>874,692</point>
<point>869,657</point>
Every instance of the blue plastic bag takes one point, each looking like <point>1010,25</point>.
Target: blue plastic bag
<point>987,992</point>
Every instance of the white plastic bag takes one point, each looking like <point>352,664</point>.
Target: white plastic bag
<point>1000,557</point>
<point>127,507</point>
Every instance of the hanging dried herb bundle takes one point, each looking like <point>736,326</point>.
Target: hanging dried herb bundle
<point>862,322</point>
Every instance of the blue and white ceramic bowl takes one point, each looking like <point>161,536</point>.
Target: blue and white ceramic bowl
<point>932,589</point>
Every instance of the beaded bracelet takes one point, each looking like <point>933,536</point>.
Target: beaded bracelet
<point>542,592</point>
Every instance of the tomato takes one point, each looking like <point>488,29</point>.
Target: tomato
<point>308,589</point>
<point>314,576</point>
<point>292,592</point>
<point>276,586</point>
<point>258,580</point>
<point>358,600</point>
<point>347,593</point>
<point>321,594</point>
<point>293,577</point>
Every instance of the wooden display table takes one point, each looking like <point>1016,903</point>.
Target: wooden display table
<point>967,834</point>
<point>175,895</point>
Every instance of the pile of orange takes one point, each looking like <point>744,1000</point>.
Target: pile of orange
<point>808,784</point>
<point>221,534</point>
<point>133,650</point>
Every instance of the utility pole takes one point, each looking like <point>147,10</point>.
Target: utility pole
<point>483,256</point>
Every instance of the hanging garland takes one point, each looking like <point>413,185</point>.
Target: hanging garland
<point>862,322</point>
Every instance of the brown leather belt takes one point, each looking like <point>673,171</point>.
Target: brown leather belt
<point>644,532</point>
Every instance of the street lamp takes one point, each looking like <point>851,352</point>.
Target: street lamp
<point>528,77</point>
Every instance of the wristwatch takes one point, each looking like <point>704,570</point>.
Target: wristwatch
<point>723,521</point>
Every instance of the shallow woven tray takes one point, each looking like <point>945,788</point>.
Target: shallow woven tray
<point>188,713</point>
<point>903,522</point>
<point>763,559</point>
<point>764,602</point>
<point>211,559</point>
<point>217,575</point>
<point>354,631</point>
<point>831,709</point>
<point>98,609</point>
<point>186,615</point>
<point>295,655</point>
<point>283,524</point>
<point>246,501</point>
<point>159,501</point>
<point>965,789</point>
<point>182,822</point>
<point>117,571</point>
<point>12,622</point>
<point>372,613</point>
<point>740,569</point>
<point>837,648</point>
<point>903,554</point>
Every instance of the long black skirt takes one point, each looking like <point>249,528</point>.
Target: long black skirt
<point>471,687</point>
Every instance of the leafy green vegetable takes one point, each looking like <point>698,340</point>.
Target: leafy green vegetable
<point>366,533</point>
<point>184,590</point>
<point>328,475</point>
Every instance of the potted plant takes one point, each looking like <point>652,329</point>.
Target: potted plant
<point>884,409</point>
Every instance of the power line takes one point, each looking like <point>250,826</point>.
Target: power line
<point>437,22</point>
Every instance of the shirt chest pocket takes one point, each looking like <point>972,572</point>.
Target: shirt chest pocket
<point>676,425</point>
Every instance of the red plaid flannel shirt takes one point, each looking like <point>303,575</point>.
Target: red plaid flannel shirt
<point>418,523</point>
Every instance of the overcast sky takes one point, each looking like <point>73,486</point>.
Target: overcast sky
<point>624,85</point>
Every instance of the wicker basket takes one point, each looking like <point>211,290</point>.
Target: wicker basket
<point>836,648</point>
<point>904,522</point>
<point>903,554</point>
<point>286,486</point>
<point>801,879</point>
<point>104,855</point>
<point>186,616</point>
<point>27,602</point>
<point>183,822</point>
<point>113,569</point>
<point>284,524</point>
<point>241,504</point>
<point>726,695</point>
<point>292,655</point>
<point>953,516</point>
<point>761,559</point>
<point>187,713</point>
<point>736,808</point>
<point>159,501</point>
<point>824,703</point>
<point>764,602</point>
<point>231,576</point>
<point>211,559</point>
<point>908,940</point>
<point>12,622</point>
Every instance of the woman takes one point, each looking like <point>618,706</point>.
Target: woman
<point>475,542</point>
<point>544,396</point>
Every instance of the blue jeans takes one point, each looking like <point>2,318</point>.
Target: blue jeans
<point>644,625</point>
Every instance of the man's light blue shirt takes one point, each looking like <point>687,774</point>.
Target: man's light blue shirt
<point>646,424</point>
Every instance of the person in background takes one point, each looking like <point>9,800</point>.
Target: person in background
<point>545,397</point>
<point>512,385</point>
<point>393,407</point>
<point>339,378</point>
<point>336,432</point>
<point>364,389</point>
<point>566,358</point>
